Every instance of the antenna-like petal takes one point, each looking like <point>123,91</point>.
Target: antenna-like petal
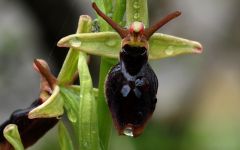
<point>149,32</point>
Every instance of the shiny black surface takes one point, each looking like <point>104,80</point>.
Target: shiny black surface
<point>131,88</point>
<point>30,130</point>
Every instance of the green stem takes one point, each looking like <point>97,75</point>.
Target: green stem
<point>137,10</point>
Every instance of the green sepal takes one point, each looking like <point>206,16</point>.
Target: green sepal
<point>53,107</point>
<point>13,137</point>
<point>163,46</point>
<point>108,44</point>
<point>64,138</point>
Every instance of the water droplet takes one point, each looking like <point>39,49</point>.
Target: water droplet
<point>128,131</point>
<point>169,51</point>
<point>111,43</point>
<point>59,117</point>
<point>71,116</point>
<point>93,132</point>
<point>184,43</point>
<point>110,15</point>
<point>81,96</point>
<point>136,16</point>
<point>136,5</point>
<point>85,144</point>
<point>76,43</point>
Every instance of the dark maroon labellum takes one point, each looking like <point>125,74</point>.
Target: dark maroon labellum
<point>131,85</point>
<point>30,130</point>
<point>131,89</point>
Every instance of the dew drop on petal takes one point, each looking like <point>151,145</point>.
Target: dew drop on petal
<point>72,117</point>
<point>136,16</point>
<point>111,43</point>
<point>110,15</point>
<point>81,96</point>
<point>136,5</point>
<point>128,132</point>
<point>59,117</point>
<point>85,144</point>
<point>93,132</point>
<point>169,51</point>
<point>76,43</point>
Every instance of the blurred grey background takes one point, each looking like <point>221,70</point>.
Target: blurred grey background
<point>199,95</point>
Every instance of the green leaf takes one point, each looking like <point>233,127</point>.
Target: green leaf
<point>88,121</point>
<point>163,46</point>
<point>53,107</point>
<point>12,135</point>
<point>64,138</point>
<point>71,100</point>
<point>71,97</point>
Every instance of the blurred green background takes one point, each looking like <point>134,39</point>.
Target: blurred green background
<point>199,95</point>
